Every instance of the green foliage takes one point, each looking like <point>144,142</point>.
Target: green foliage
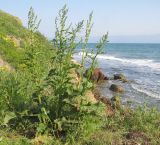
<point>141,121</point>
<point>43,98</point>
<point>46,94</point>
<point>11,26</point>
<point>35,60</point>
<point>18,88</point>
<point>47,99</point>
<point>71,106</point>
<point>104,137</point>
<point>10,53</point>
<point>8,137</point>
<point>32,21</point>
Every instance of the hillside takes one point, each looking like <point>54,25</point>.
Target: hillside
<point>13,39</point>
<point>11,25</point>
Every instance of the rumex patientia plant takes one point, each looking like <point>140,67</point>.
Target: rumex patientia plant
<point>55,102</point>
<point>69,96</point>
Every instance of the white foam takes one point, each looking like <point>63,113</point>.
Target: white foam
<point>139,62</point>
<point>145,91</point>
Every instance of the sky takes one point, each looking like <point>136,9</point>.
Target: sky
<point>127,21</point>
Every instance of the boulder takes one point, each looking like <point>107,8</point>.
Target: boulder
<point>116,88</point>
<point>97,75</point>
<point>120,77</point>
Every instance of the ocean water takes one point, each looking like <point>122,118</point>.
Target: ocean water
<point>140,63</point>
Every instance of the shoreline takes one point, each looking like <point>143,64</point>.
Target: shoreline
<point>137,97</point>
<point>104,90</point>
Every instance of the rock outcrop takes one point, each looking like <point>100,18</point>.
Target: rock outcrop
<point>97,75</point>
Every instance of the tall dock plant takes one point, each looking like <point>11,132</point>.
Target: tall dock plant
<point>70,101</point>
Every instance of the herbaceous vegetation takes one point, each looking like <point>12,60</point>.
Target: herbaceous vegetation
<point>44,98</point>
<point>49,97</point>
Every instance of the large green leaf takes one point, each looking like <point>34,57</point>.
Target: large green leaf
<point>8,117</point>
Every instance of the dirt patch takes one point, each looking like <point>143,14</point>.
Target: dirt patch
<point>137,137</point>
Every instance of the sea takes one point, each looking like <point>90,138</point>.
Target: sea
<point>140,63</point>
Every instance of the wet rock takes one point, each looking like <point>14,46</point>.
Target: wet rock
<point>116,88</point>
<point>120,77</point>
<point>97,75</point>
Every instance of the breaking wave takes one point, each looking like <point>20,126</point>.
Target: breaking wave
<point>145,91</point>
<point>139,62</point>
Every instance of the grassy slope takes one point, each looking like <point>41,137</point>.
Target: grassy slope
<point>12,26</point>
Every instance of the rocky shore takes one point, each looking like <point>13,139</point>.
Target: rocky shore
<point>98,77</point>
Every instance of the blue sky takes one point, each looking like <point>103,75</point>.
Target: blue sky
<point>125,20</point>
